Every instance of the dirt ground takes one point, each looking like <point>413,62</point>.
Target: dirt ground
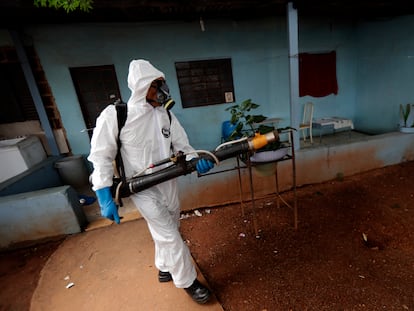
<point>353,249</point>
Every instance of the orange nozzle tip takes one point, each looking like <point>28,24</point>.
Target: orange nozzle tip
<point>259,141</point>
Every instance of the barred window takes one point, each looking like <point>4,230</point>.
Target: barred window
<point>205,82</point>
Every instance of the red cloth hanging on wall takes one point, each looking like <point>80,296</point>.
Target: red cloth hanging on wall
<point>317,74</point>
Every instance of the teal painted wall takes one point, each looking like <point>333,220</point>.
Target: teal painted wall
<point>373,67</point>
<point>385,72</point>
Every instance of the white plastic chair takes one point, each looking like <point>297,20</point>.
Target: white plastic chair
<point>307,121</point>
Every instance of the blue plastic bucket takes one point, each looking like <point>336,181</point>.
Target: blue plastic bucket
<point>226,129</point>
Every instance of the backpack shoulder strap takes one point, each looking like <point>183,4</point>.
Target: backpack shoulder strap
<point>121,114</point>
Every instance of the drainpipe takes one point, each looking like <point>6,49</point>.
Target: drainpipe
<point>292,20</point>
<point>34,91</point>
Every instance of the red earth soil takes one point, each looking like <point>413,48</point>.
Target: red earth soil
<point>353,249</point>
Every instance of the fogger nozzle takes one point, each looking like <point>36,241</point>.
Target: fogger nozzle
<point>261,140</point>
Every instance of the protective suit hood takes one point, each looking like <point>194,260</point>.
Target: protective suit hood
<point>141,74</point>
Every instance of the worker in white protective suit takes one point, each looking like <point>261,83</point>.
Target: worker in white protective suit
<point>148,136</point>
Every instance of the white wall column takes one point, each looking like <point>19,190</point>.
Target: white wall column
<point>293,52</point>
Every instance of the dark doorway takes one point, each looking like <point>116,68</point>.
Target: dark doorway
<point>96,87</point>
<point>17,104</point>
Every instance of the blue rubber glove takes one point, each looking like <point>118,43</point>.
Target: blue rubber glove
<point>203,166</point>
<point>107,204</point>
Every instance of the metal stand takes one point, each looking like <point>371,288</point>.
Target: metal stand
<point>279,198</point>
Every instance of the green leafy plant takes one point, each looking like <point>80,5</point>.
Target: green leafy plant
<point>67,5</point>
<point>246,123</point>
<point>405,113</point>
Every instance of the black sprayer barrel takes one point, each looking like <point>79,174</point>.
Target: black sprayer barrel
<point>183,167</point>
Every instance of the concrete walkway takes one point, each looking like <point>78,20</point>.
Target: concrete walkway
<point>112,268</point>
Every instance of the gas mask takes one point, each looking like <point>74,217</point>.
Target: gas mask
<point>163,94</point>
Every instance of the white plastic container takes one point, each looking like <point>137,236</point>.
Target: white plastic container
<point>18,155</point>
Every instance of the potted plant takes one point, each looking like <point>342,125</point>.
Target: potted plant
<point>244,123</point>
<point>408,124</point>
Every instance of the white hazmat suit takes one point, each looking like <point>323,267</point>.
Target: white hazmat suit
<point>147,137</point>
